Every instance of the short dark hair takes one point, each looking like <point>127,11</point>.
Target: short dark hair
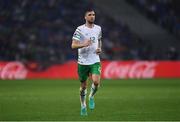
<point>88,10</point>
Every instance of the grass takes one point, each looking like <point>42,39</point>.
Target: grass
<point>127,100</point>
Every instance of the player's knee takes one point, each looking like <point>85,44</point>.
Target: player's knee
<point>96,83</point>
<point>83,86</point>
<point>96,80</point>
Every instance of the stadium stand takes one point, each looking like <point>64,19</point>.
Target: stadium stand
<point>163,12</point>
<point>41,31</point>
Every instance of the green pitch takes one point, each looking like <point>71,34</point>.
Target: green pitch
<point>147,99</point>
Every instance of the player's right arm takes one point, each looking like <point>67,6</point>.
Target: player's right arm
<point>76,43</point>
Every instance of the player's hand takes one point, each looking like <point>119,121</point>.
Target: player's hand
<point>98,51</point>
<point>87,43</point>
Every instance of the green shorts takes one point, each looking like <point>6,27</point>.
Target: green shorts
<point>85,70</point>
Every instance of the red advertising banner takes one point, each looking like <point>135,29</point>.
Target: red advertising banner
<point>141,69</point>
<point>110,70</point>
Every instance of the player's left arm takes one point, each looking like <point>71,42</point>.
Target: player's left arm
<point>99,49</point>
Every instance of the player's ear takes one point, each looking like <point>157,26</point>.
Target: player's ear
<point>85,17</point>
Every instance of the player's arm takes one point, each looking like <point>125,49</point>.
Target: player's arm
<point>99,49</point>
<point>99,43</point>
<point>76,44</point>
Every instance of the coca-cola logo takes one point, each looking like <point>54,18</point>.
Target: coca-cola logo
<point>142,69</point>
<point>13,70</point>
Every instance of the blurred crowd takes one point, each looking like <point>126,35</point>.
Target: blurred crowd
<point>164,12</point>
<point>41,31</point>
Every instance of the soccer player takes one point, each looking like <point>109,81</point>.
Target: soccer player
<point>87,39</point>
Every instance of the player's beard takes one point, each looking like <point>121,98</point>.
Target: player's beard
<point>90,22</point>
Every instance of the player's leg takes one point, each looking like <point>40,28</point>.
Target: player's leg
<point>96,74</point>
<point>95,84</point>
<point>94,89</point>
<point>83,75</point>
<point>83,92</point>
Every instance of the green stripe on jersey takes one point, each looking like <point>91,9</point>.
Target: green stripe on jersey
<point>76,38</point>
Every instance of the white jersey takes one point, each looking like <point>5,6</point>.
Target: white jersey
<point>87,55</point>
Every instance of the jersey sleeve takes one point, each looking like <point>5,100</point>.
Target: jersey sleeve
<point>77,35</point>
